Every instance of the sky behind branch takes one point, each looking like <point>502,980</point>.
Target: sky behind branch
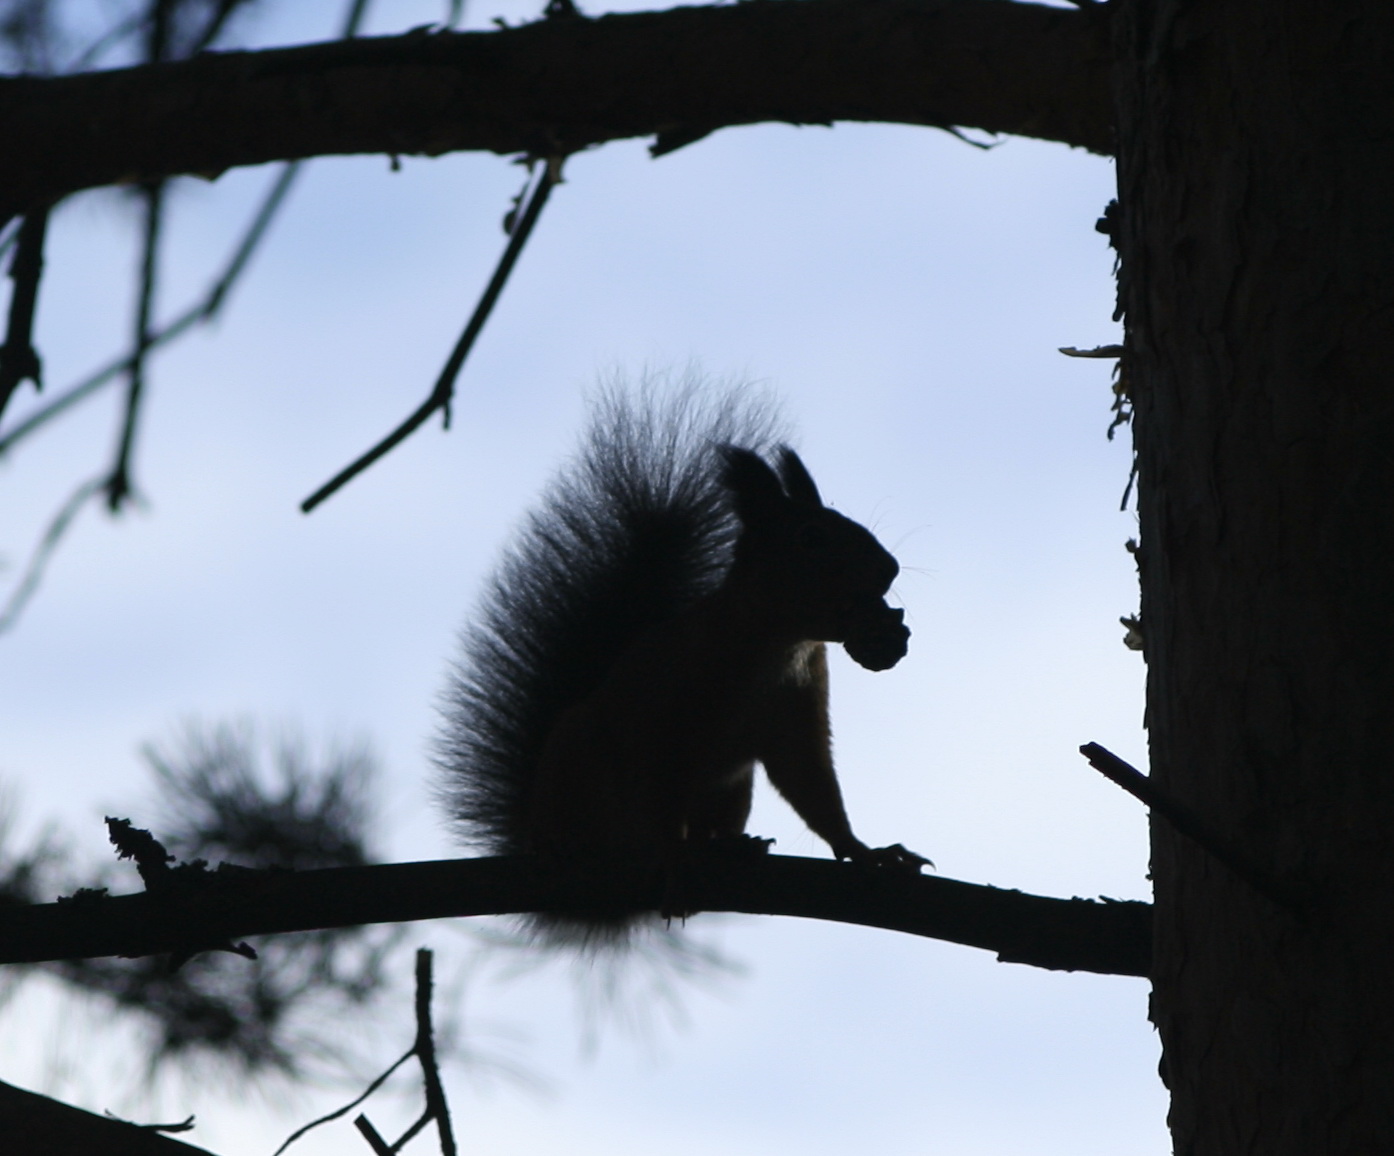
<point>905,294</point>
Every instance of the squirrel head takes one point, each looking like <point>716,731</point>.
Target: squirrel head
<point>825,576</point>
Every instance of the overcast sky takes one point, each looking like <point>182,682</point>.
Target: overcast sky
<point>905,294</point>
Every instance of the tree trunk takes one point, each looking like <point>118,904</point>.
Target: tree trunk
<point>1256,229</point>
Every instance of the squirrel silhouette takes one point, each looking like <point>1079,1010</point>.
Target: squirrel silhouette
<point>656,630</point>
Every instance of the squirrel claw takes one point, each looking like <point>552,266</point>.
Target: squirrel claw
<point>896,857</point>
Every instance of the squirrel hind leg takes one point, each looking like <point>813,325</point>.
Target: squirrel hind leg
<point>721,811</point>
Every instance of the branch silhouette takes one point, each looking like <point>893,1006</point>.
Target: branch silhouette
<point>560,85</point>
<point>209,909</point>
<point>521,222</point>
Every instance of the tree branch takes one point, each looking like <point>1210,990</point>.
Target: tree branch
<point>1189,823</point>
<point>564,84</point>
<point>30,1122</point>
<point>19,360</point>
<point>1104,936</point>
<point>118,486</point>
<point>444,390</point>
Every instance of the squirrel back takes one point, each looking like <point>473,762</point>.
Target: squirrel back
<point>657,629</point>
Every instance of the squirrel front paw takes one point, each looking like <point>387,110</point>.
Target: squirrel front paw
<point>895,857</point>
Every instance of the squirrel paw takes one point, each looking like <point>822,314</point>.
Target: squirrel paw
<point>739,846</point>
<point>895,857</point>
<point>733,848</point>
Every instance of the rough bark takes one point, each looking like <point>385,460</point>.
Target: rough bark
<point>564,84</point>
<point>1256,222</point>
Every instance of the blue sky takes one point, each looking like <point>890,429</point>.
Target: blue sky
<point>905,294</point>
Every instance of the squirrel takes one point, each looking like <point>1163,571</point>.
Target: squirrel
<point>657,629</point>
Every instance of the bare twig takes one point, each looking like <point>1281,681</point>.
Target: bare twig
<point>217,21</point>
<point>18,356</point>
<point>203,310</point>
<point>1192,825</point>
<point>436,1106</point>
<point>62,521</point>
<point>1097,351</point>
<point>159,44</point>
<point>110,38</point>
<point>19,361</point>
<point>9,233</point>
<point>1128,489</point>
<point>118,484</point>
<point>349,1107</point>
<point>371,1135</point>
<point>424,1049</point>
<point>353,20</point>
<point>184,1125</point>
<point>444,390</point>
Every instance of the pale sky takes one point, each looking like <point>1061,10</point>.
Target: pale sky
<point>905,294</point>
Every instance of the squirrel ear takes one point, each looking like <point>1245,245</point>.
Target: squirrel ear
<point>754,485</point>
<point>798,482</point>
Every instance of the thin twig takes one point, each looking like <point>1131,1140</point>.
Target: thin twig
<point>375,1141</point>
<point>159,30</point>
<point>405,1138</point>
<point>436,1105</point>
<point>204,310</point>
<point>1112,351</point>
<point>118,485</point>
<point>424,1049</point>
<point>19,361</point>
<point>1128,489</point>
<point>9,233</point>
<point>24,589</point>
<point>443,392</point>
<point>112,36</point>
<point>1187,822</point>
<point>357,13</point>
<point>117,482</point>
<point>104,376</point>
<point>159,43</point>
<point>349,1107</point>
<point>216,23</point>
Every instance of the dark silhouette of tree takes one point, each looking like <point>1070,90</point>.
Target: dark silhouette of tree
<point>1253,227</point>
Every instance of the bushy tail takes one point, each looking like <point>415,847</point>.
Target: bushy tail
<point>635,530</point>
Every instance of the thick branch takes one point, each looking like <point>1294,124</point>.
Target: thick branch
<point>1064,934</point>
<point>563,84</point>
<point>33,1123</point>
